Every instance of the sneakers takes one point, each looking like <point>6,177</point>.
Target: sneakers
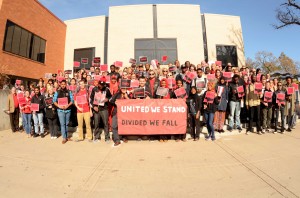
<point>117,143</point>
<point>240,129</point>
<point>35,135</point>
<point>263,131</point>
<point>42,135</point>
<point>259,133</point>
<point>96,141</point>
<point>289,130</point>
<point>222,131</point>
<point>229,129</point>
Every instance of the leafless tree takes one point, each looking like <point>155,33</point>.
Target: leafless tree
<point>288,14</point>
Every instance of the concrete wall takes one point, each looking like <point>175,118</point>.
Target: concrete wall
<point>4,118</point>
<point>127,23</point>
<point>184,23</point>
<point>84,33</point>
<point>224,30</point>
<point>33,16</point>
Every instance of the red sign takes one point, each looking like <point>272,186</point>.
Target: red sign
<point>125,83</point>
<point>227,76</point>
<point>171,83</point>
<point>97,77</point>
<point>151,117</point>
<point>162,91</point>
<point>164,58</point>
<point>103,67</point>
<point>219,63</point>
<point>22,101</point>
<point>34,107</point>
<point>200,84</point>
<point>60,78</point>
<point>134,83</point>
<point>132,61</point>
<point>211,77</point>
<point>107,78</point>
<point>84,60</point>
<point>118,64</point>
<point>210,96</point>
<point>258,88</point>
<point>296,86</point>
<point>139,93</point>
<point>180,93</point>
<point>76,64</point>
<point>190,76</point>
<point>18,82</point>
<point>220,90</point>
<point>241,91</point>
<point>81,99</point>
<point>63,101</point>
<point>268,96</point>
<point>172,68</point>
<point>290,90</point>
<point>49,101</point>
<point>97,60</point>
<point>143,59</point>
<point>280,98</point>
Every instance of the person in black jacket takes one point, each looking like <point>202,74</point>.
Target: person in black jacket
<point>99,101</point>
<point>209,110</point>
<point>51,113</point>
<point>194,107</point>
<point>38,98</point>
<point>120,95</point>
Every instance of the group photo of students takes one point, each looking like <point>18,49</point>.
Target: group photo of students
<point>221,99</point>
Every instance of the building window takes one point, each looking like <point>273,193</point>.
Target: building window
<point>155,49</point>
<point>24,43</point>
<point>84,53</point>
<point>227,54</point>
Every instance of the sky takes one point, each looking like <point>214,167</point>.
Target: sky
<point>257,18</point>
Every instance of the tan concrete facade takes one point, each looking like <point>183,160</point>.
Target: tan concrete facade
<point>34,17</point>
<point>182,22</point>
<point>84,33</point>
<point>224,30</point>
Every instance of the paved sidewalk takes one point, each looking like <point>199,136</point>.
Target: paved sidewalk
<point>233,166</point>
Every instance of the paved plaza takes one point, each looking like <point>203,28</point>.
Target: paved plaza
<point>236,165</point>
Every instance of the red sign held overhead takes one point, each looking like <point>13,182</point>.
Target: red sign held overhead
<point>143,59</point>
<point>103,67</point>
<point>97,60</point>
<point>151,117</point>
<point>76,64</point>
<point>132,61</point>
<point>118,64</point>
<point>164,58</point>
<point>84,60</point>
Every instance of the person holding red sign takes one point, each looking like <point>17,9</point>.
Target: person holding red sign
<point>220,114</point>
<point>63,108</point>
<point>13,110</point>
<point>84,112</point>
<point>38,116</point>
<point>253,105</point>
<point>26,113</point>
<point>290,106</point>
<point>279,107</point>
<point>234,103</point>
<point>120,95</point>
<point>99,101</point>
<point>194,107</point>
<point>209,110</point>
<point>267,103</point>
<point>51,113</point>
<point>152,82</point>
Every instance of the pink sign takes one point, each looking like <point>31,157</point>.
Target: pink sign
<point>62,101</point>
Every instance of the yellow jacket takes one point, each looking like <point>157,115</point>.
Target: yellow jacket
<point>252,99</point>
<point>10,103</point>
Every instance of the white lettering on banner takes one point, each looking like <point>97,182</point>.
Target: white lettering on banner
<point>146,109</point>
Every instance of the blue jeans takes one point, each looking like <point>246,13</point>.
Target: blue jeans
<point>38,122</point>
<point>26,120</point>
<point>209,117</point>
<point>235,111</point>
<point>64,117</point>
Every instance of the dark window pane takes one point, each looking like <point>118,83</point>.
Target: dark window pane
<point>16,40</point>
<point>9,36</point>
<point>227,54</point>
<point>29,45</point>
<point>84,53</point>
<point>23,43</point>
<point>36,48</point>
<point>41,55</point>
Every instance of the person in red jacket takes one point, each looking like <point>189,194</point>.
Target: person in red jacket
<point>26,113</point>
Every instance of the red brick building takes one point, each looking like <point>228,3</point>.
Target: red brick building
<point>32,40</point>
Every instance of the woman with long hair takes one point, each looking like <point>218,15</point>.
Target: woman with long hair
<point>219,118</point>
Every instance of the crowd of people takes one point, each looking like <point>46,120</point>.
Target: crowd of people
<point>87,101</point>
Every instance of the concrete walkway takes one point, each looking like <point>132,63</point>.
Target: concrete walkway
<point>233,166</point>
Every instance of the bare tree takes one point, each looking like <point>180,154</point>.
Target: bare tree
<point>288,14</point>
<point>267,61</point>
